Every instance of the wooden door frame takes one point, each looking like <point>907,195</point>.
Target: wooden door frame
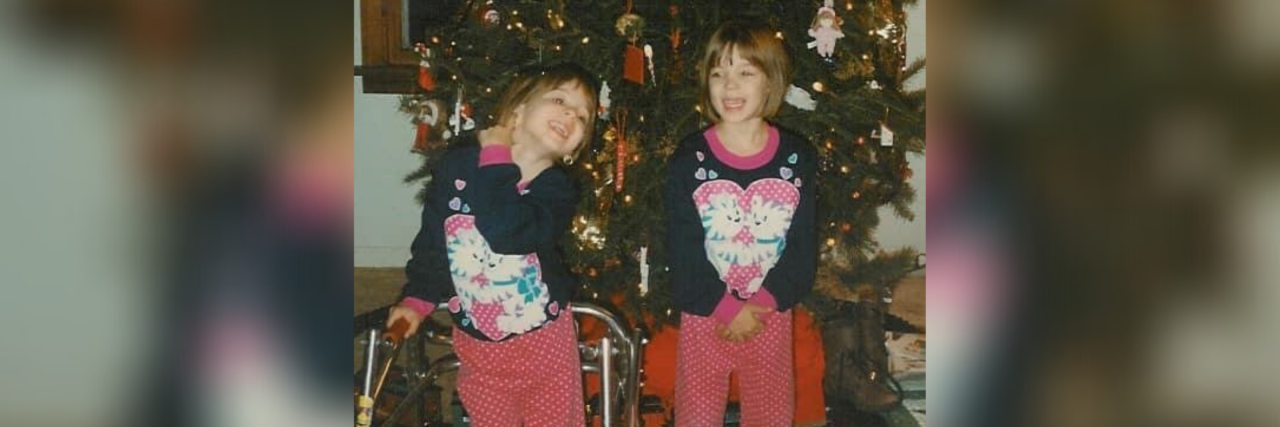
<point>386,65</point>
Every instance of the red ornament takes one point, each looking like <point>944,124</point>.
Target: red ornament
<point>620,159</point>
<point>675,32</point>
<point>621,164</point>
<point>425,81</point>
<point>633,65</point>
<point>420,140</point>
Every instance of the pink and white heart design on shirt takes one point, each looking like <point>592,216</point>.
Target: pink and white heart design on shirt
<point>745,229</point>
<point>500,294</point>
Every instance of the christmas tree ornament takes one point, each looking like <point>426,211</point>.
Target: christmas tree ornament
<point>610,135</point>
<point>801,99</point>
<point>825,29</point>
<point>885,134</point>
<point>425,81</point>
<point>420,138</point>
<point>620,164</point>
<point>428,116</point>
<point>644,270</point>
<point>630,25</point>
<point>602,109</point>
<point>489,16</point>
<point>648,54</point>
<point>620,156</point>
<point>633,65</point>
<point>461,119</point>
<point>467,122</point>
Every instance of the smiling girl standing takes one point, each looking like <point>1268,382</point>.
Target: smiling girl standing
<point>741,229</point>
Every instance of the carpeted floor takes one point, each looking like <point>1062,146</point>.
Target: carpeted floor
<point>376,287</point>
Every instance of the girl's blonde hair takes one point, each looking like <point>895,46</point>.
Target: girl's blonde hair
<point>755,42</point>
<point>535,81</point>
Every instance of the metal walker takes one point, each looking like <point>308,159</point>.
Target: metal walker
<point>616,357</point>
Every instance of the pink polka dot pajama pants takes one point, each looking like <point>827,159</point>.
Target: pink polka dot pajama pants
<point>763,364</point>
<point>532,380</point>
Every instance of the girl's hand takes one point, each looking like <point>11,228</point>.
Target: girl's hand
<point>746,324</point>
<point>401,311</point>
<point>496,135</point>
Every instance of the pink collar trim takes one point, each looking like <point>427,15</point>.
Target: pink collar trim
<point>743,162</point>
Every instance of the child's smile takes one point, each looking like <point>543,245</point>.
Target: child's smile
<point>556,119</point>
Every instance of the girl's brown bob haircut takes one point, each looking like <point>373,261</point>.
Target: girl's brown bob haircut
<point>755,42</point>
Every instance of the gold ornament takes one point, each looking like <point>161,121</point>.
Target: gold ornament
<point>630,26</point>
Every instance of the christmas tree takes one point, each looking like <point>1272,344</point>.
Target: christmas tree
<point>847,96</point>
